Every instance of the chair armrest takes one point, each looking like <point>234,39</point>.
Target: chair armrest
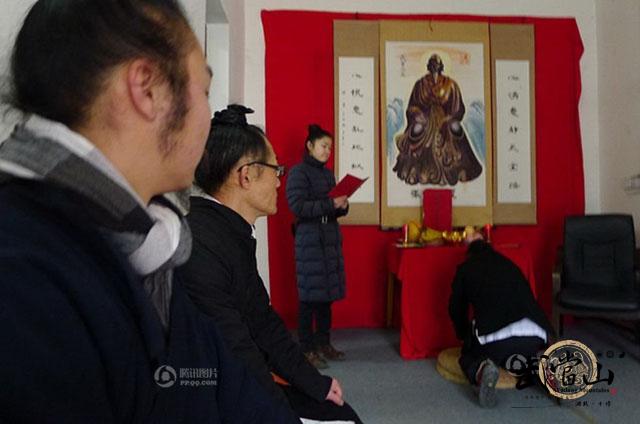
<point>557,272</point>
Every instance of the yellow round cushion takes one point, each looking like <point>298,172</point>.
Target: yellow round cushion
<point>449,368</point>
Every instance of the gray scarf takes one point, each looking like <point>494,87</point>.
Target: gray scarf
<point>155,238</point>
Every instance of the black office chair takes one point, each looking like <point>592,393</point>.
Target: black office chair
<point>596,273</point>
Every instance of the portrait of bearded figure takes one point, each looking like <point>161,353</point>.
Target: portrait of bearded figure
<point>434,147</point>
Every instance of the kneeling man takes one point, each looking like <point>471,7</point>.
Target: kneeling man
<point>507,320</point>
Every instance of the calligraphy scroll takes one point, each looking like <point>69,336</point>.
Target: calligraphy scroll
<point>513,131</point>
<point>356,121</point>
<point>513,64</point>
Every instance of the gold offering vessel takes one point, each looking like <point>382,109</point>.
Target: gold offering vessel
<point>431,237</point>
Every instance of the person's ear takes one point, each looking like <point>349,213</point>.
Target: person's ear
<point>309,145</point>
<point>146,88</point>
<point>244,177</point>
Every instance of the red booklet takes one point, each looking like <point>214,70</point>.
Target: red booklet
<point>347,186</point>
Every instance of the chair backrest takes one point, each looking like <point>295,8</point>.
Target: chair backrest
<point>599,251</point>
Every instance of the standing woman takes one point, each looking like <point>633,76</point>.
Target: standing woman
<point>318,246</point>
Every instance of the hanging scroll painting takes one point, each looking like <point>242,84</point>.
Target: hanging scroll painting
<point>437,118</point>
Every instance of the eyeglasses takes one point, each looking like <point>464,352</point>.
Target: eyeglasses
<point>280,169</point>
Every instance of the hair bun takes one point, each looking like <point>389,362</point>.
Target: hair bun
<point>315,131</point>
<point>232,115</point>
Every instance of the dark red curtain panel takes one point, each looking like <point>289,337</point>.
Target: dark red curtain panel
<point>299,91</point>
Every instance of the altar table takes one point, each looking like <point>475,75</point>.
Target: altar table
<point>425,275</point>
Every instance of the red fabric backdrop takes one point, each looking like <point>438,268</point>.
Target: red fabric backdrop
<point>299,91</point>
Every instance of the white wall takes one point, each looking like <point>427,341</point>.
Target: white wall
<point>234,10</point>
<point>218,58</point>
<point>242,65</point>
<point>619,103</point>
<point>247,51</point>
<point>196,11</point>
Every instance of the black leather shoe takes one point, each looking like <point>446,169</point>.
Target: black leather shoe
<point>316,360</point>
<point>331,353</point>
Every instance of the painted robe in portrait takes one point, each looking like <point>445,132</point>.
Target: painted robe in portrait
<point>434,148</point>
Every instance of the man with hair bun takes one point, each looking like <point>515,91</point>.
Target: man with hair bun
<point>94,325</point>
<point>237,181</point>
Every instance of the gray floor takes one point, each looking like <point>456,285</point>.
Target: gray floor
<point>385,389</point>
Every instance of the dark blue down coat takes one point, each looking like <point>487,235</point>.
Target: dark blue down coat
<point>318,243</point>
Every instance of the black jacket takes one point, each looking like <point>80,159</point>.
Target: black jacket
<point>496,289</point>
<point>318,242</point>
<point>222,279</point>
<point>80,340</point>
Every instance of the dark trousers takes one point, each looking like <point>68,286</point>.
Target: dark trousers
<point>307,313</point>
<point>473,353</point>
<point>306,407</point>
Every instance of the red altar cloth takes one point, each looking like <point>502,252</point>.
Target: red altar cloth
<point>426,275</point>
